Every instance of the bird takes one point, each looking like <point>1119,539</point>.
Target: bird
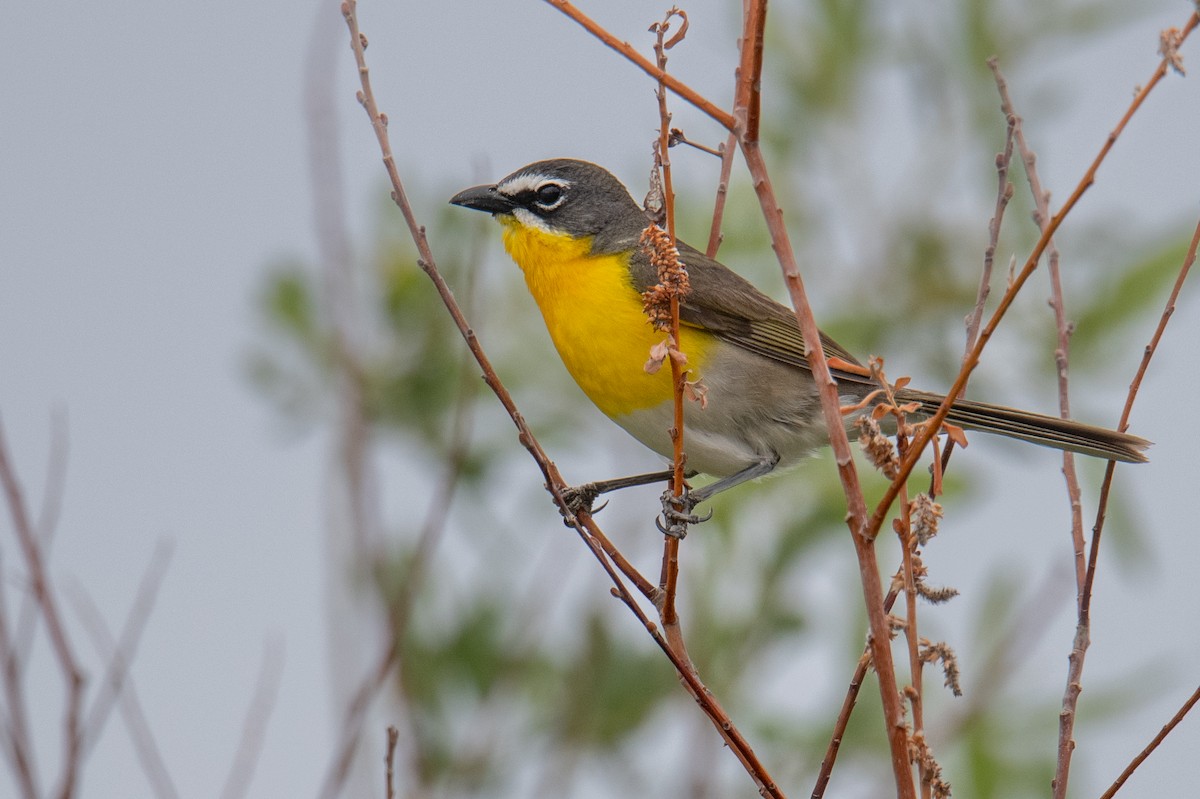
<point>575,232</point>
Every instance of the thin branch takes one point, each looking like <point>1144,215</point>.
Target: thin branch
<point>723,118</point>
<point>352,724</point>
<point>393,735</point>
<point>746,110</point>
<point>923,437</point>
<point>1061,354</point>
<point>1082,637</point>
<point>747,99</point>
<point>868,565</point>
<point>47,600</point>
<point>254,726</point>
<point>916,665</point>
<point>714,233</point>
<point>433,528</point>
<point>120,655</point>
<point>1004,194</point>
<point>848,702</point>
<point>1168,311</point>
<point>1150,747</point>
<point>669,578</point>
<point>18,745</point>
<point>856,516</point>
<point>47,524</point>
<point>351,442</point>
<point>56,477</point>
<point>1062,324</point>
<point>140,733</point>
<point>579,521</point>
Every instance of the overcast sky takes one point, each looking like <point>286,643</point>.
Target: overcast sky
<point>153,165</point>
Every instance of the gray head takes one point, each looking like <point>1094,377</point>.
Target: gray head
<point>566,196</point>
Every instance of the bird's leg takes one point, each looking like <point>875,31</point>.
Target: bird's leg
<point>581,497</point>
<point>677,510</point>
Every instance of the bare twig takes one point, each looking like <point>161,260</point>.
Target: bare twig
<point>862,536</point>
<point>1168,311</point>
<point>669,578</point>
<point>118,654</point>
<point>678,137</point>
<point>28,616</point>
<point>1004,193</point>
<point>746,111</point>
<point>723,118</point>
<point>254,727</point>
<point>56,477</point>
<point>1066,744</point>
<point>352,723</point>
<point>393,735</point>
<point>351,441</point>
<point>912,638</point>
<point>848,703</point>
<point>18,745</point>
<point>47,600</point>
<point>745,124</point>
<point>1062,324</point>
<point>923,437</point>
<point>747,98</point>
<point>714,233</point>
<point>1061,354</point>
<point>354,520</point>
<point>1150,747</point>
<point>581,521</point>
<point>1041,214</point>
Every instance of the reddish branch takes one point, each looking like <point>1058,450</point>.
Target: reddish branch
<point>1150,747</point>
<point>724,118</point>
<point>581,521</point>
<point>714,233</point>
<point>673,275</point>
<point>861,536</point>
<point>922,438</point>
<point>747,99</point>
<point>1066,744</point>
<point>1063,326</point>
<point>744,123</point>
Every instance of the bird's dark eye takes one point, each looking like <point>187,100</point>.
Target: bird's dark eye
<point>549,195</point>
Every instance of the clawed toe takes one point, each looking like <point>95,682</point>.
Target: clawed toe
<point>581,499</point>
<point>677,514</point>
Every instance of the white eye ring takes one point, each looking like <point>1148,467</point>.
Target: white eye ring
<point>550,195</point>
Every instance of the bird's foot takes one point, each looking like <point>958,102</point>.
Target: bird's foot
<point>677,513</point>
<point>581,498</point>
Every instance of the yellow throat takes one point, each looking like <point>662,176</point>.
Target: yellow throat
<point>595,319</point>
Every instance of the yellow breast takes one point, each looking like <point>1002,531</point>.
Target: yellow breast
<point>595,319</point>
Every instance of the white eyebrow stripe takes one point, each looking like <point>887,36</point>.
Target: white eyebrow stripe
<point>528,182</point>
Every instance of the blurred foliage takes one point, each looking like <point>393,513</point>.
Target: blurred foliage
<point>517,668</point>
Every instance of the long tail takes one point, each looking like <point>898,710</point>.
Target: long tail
<point>1036,428</point>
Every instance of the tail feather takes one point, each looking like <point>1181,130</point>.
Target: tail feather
<point>1036,428</point>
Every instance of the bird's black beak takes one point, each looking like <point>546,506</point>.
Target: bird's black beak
<point>484,198</point>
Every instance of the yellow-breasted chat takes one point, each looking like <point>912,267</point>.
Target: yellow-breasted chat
<point>575,231</point>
